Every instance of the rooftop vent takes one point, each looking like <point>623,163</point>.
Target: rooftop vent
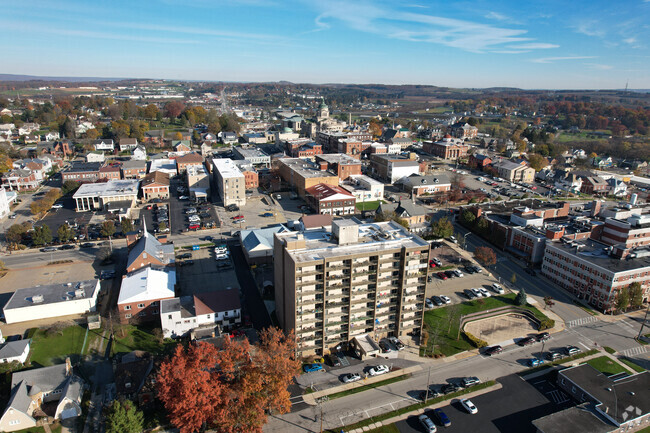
<point>37,299</point>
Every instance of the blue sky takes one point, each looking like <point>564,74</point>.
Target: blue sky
<point>529,44</point>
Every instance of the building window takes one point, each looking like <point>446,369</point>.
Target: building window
<point>140,305</point>
<point>127,307</point>
<point>169,316</point>
<point>127,316</point>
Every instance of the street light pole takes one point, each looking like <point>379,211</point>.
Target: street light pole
<point>643,323</point>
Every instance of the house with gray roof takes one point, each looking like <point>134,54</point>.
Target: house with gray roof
<point>149,251</point>
<point>15,351</point>
<point>414,214</point>
<point>258,244</point>
<point>42,392</point>
<point>418,185</point>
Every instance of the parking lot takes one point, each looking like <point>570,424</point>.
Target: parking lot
<point>510,409</point>
<point>205,274</point>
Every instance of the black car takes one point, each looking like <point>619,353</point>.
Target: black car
<point>494,350</point>
<point>450,274</point>
<point>185,256</point>
<point>437,300</point>
<point>449,388</point>
<point>14,338</point>
<point>531,272</point>
<point>469,294</point>
<point>185,263</point>
<point>429,278</point>
<point>333,360</point>
<point>105,275</point>
<point>527,341</point>
<point>543,336</point>
<point>87,245</point>
<point>469,269</point>
<point>66,247</point>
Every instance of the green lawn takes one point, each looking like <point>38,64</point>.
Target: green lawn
<point>54,428</point>
<point>130,338</point>
<point>632,365</point>
<point>447,320</point>
<point>52,347</point>
<point>566,137</point>
<point>608,366</point>
<point>391,428</point>
<point>369,205</point>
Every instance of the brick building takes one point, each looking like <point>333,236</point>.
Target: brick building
<point>302,174</point>
<point>343,165</point>
<point>141,293</point>
<point>109,172</point>
<point>149,251</point>
<point>447,148</point>
<point>182,162</point>
<point>155,185</point>
<point>330,200</point>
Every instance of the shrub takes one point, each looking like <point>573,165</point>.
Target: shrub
<point>477,342</point>
<point>546,324</point>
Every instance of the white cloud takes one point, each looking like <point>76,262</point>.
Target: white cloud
<point>589,28</point>
<point>534,46</point>
<point>599,66</point>
<point>556,59</point>
<point>497,16</point>
<point>380,19</point>
<point>631,40</point>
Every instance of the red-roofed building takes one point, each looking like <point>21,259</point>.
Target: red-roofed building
<point>110,172</point>
<point>182,162</point>
<point>330,200</point>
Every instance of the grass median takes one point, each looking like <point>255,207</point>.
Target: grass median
<point>367,387</point>
<point>413,407</point>
<point>607,365</point>
<point>632,365</point>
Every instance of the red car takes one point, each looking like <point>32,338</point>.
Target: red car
<point>194,226</point>
<point>432,264</point>
<point>238,217</point>
<point>442,275</point>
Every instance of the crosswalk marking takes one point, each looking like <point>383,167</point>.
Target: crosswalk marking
<point>581,321</point>
<point>558,397</point>
<point>635,351</point>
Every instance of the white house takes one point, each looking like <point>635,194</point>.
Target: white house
<point>616,187</point>
<point>139,153</point>
<point>52,136</point>
<point>95,157</point>
<point>15,351</point>
<point>364,188</point>
<point>127,144</point>
<point>258,244</point>
<point>178,316</point>
<point>104,144</point>
<point>53,300</point>
<point>6,198</point>
<point>83,127</point>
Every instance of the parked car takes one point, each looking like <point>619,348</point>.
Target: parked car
<point>477,269</point>
<point>105,275</point>
<point>484,292</point>
<point>87,245</point>
<point>469,406</point>
<point>445,299</point>
<point>333,360</point>
<point>458,273</point>
<point>450,274</point>
<point>57,206</point>
<point>427,424</point>
<point>494,350</point>
<point>221,249</point>
<point>572,350</point>
<point>221,256</point>
<point>428,303</point>
<point>436,261</point>
<point>432,264</point>
<point>442,275</point>
<point>476,292</point>
<point>442,418</point>
<point>183,197</point>
<point>378,370</point>
<point>470,269</point>
<point>310,368</point>
<point>553,355</point>
<point>13,216</point>
<point>498,288</point>
<point>544,336</point>
<point>531,271</point>
<point>351,377</point>
<point>429,278</point>
<point>194,227</point>
<point>470,381</point>
<point>436,300</point>
<point>469,294</point>
<point>535,362</point>
<point>267,214</point>
<point>396,342</point>
<point>527,341</point>
<point>48,249</point>
<point>385,348</point>
<point>453,239</point>
<point>449,388</point>
<point>66,247</point>
<point>182,263</point>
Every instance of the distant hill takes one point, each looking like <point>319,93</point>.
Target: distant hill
<point>13,77</point>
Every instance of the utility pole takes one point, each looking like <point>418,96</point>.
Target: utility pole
<point>426,396</point>
<point>643,323</point>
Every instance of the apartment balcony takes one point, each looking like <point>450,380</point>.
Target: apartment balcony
<point>338,267</point>
<point>300,283</point>
<point>309,273</point>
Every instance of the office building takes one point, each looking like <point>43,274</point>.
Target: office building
<point>230,182</point>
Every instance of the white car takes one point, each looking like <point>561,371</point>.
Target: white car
<point>458,273</point>
<point>445,299</point>
<point>453,239</point>
<point>57,206</point>
<point>469,406</point>
<point>498,288</point>
<point>220,249</point>
<point>222,256</point>
<point>194,218</point>
<point>484,292</point>
<point>183,197</point>
<point>378,370</point>
<point>476,292</point>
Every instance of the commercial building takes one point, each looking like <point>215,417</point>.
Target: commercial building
<point>330,200</point>
<point>81,172</point>
<point>52,300</point>
<point>343,165</point>
<point>198,181</point>
<point>463,130</point>
<point>251,176</point>
<point>357,279</point>
<point>188,160</point>
<point>165,165</point>
<point>134,169</point>
<point>155,185</point>
<point>628,233</point>
<point>230,182</point>
<point>515,171</point>
<point>418,185</point>
<point>98,196</point>
<point>364,188</point>
<point>109,172</point>
<point>447,148</point>
<point>590,270</point>
<point>252,154</point>
<point>141,293</point>
<point>392,168</point>
<point>301,174</point>
<point>179,316</point>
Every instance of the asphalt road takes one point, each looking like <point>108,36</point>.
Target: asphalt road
<point>510,409</point>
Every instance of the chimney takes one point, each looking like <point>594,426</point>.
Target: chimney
<point>323,166</point>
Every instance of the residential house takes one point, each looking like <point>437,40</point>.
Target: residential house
<point>206,150</point>
<point>104,144</point>
<point>111,172</point>
<point>155,185</point>
<point>51,300</point>
<point>131,374</point>
<point>134,169</point>
<point>15,351</point>
<point>155,137</point>
<point>478,160</point>
<point>616,187</point>
<point>28,128</point>
<point>182,146</point>
<point>258,244</point>
<point>128,144</point>
<point>414,214</point>
<point>228,137</point>
<point>139,153</point>
<point>141,292</point>
<point>95,156</point>
<point>182,162</point>
<point>83,127</point>
<point>149,251</point>
<point>51,136</point>
<point>57,386</point>
<point>330,200</point>
<point>31,138</point>
<point>594,185</point>
<point>20,180</point>
<point>178,316</point>
<point>463,130</point>
<point>567,181</point>
<point>514,171</point>
<point>209,138</point>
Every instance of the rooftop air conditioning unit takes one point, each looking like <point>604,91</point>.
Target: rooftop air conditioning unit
<point>37,299</point>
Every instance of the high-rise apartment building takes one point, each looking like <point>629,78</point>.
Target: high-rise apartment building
<point>230,182</point>
<point>356,280</point>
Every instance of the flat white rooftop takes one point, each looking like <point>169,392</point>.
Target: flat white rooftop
<point>108,189</point>
<point>227,168</point>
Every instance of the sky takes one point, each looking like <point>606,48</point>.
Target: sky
<point>531,44</point>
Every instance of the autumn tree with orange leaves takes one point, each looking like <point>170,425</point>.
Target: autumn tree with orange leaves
<point>228,390</point>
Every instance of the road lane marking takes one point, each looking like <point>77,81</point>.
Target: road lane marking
<point>635,351</point>
<point>581,321</point>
